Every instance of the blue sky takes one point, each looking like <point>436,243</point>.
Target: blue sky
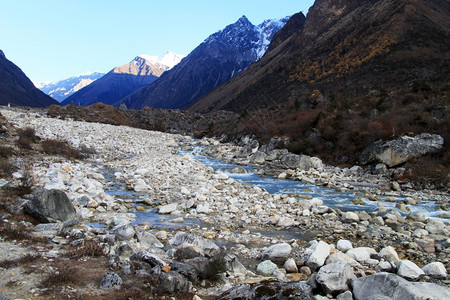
<point>54,39</point>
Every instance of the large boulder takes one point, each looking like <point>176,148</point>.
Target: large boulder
<point>409,270</point>
<point>194,243</point>
<point>278,253</point>
<point>398,151</point>
<point>173,283</point>
<point>335,277</point>
<point>110,280</point>
<point>269,289</point>
<point>390,286</point>
<point>302,162</point>
<point>50,206</point>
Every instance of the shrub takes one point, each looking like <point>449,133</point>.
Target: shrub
<point>62,276</point>
<point>89,248</point>
<point>6,168</point>
<point>55,147</point>
<point>6,152</point>
<point>26,259</point>
<point>26,137</point>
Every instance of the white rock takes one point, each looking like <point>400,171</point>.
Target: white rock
<point>361,254</point>
<point>167,209</point>
<point>350,217</point>
<point>389,254</point>
<point>266,268</point>
<point>320,253</point>
<point>290,266</point>
<point>277,253</point>
<point>409,270</point>
<point>285,222</point>
<point>435,269</point>
<point>140,186</point>
<point>184,191</point>
<point>344,245</point>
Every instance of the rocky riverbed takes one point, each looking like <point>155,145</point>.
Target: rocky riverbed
<point>277,245</point>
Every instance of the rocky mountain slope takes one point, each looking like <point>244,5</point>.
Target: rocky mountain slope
<point>123,80</point>
<point>17,89</point>
<point>64,88</point>
<point>220,57</point>
<point>355,72</point>
<point>347,48</point>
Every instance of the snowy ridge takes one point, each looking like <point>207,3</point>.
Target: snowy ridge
<point>169,59</point>
<point>64,88</point>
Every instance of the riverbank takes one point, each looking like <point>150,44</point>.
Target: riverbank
<point>232,214</point>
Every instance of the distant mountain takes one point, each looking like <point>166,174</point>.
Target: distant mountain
<point>345,49</point>
<point>65,88</point>
<point>124,80</point>
<point>220,57</point>
<point>17,89</point>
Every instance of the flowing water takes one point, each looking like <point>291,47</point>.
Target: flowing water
<point>331,197</point>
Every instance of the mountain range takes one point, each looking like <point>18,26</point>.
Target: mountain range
<point>17,89</point>
<point>124,80</point>
<point>63,89</point>
<point>221,56</point>
<point>344,49</point>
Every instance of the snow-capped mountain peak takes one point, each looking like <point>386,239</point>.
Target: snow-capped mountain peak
<point>64,88</point>
<point>169,59</point>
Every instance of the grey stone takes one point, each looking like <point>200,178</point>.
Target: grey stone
<point>167,209</point>
<point>258,158</point>
<point>173,283</point>
<point>147,239</point>
<point>384,266</point>
<point>234,266</point>
<point>344,245</point>
<point>285,222</point>
<point>269,290</point>
<point>319,255</point>
<point>409,270</point>
<point>51,206</point>
<point>435,269</point>
<point>347,295</point>
<point>123,232</point>
<point>398,151</point>
<point>417,216</point>
<point>390,286</point>
<point>361,254</point>
<point>302,162</point>
<point>195,243</point>
<point>339,256</point>
<point>266,268</point>
<point>436,226</point>
<point>350,217</point>
<point>335,277</point>
<point>290,266</point>
<point>110,280</point>
<point>277,253</point>
<point>152,259</point>
<point>389,254</point>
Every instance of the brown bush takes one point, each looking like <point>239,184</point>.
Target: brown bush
<point>64,275</point>
<point>6,152</point>
<point>88,248</point>
<point>26,259</point>
<point>55,147</point>
<point>27,136</point>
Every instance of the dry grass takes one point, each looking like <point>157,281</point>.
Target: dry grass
<point>89,248</point>
<point>27,136</point>
<point>55,147</point>
<point>24,260</point>
<point>63,275</point>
